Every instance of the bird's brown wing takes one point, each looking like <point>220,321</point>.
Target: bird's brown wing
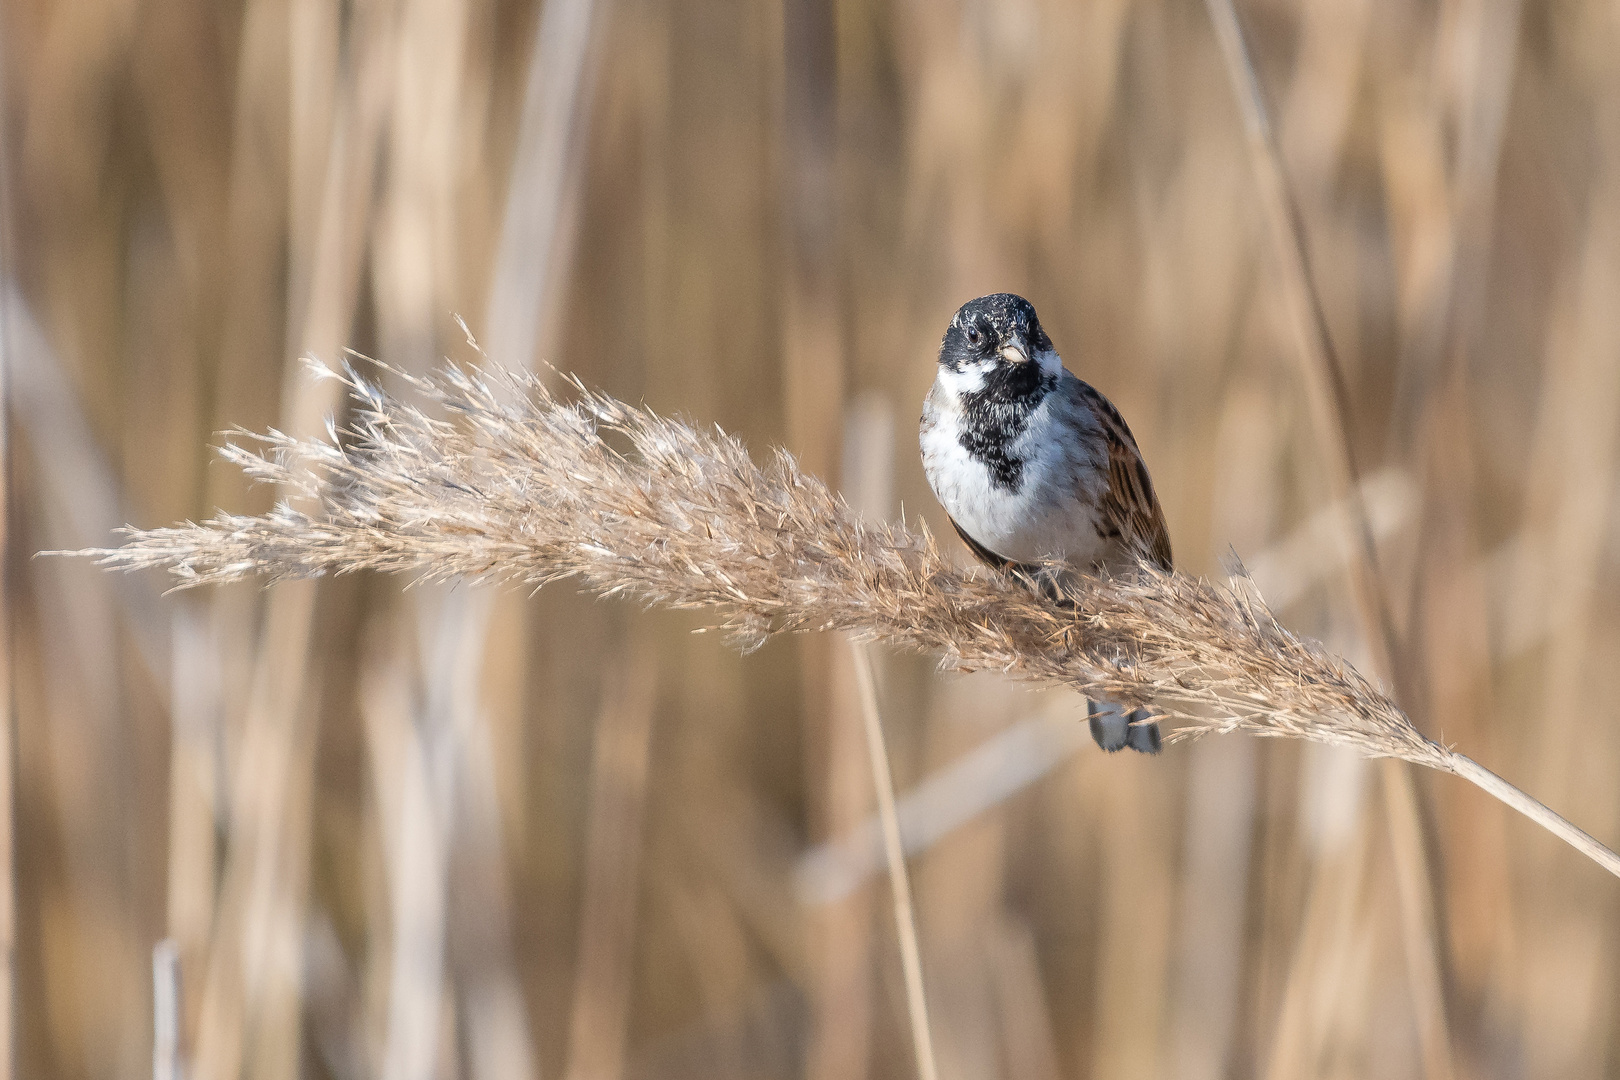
<point>1130,509</point>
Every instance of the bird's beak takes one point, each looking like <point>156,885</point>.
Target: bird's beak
<point>1015,353</point>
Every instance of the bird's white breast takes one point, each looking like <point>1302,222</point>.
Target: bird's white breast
<point>1049,513</point>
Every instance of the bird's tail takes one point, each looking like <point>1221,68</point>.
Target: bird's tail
<point>1115,729</point>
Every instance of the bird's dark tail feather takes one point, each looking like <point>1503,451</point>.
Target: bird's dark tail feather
<point>1115,729</point>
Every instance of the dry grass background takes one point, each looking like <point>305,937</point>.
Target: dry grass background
<point>455,832</point>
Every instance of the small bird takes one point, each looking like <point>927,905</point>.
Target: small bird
<point>1032,464</point>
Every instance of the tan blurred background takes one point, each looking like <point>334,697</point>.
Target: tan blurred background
<point>455,833</point>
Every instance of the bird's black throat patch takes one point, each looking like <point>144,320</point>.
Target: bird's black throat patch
<point>993,418</point>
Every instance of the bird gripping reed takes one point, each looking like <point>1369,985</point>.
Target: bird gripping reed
<point>487,475</point>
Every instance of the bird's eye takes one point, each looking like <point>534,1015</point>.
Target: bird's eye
<point>974,336</point>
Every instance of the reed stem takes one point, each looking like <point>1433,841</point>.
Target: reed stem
<point>905,922</point>
<point>1538,812</point>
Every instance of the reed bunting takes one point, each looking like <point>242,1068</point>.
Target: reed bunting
<point>1033,464</point>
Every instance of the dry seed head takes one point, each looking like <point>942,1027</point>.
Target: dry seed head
<point>505,482</point>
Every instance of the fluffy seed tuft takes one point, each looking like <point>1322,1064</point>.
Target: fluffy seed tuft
<point>504,482</point>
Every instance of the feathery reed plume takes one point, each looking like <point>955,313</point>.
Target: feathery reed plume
<point>540,489</point>
<point>512,484</point>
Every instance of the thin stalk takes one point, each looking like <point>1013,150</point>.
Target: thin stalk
<point>1576,837</point>
<point>166,1011</point>
<point>1329,399</point>
<point>905,921</point>
<point>8,868</point>
<point>599,1016</point>
<point>1326,390</point>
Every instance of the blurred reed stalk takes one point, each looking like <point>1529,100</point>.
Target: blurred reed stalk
<point>1328,395</point>
<point>166,1013</point>
<point>523,488</point>
<point>58,435</point>
<point>8,887</point>
<point>599,1016</point>
<point>252,989</point>
<point>905,917</point>
<point>452,928</point>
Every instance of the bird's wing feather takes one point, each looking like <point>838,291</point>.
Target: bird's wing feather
<point>1129,507</point>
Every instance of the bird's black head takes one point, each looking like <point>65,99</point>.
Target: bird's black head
<point>996,344</point>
